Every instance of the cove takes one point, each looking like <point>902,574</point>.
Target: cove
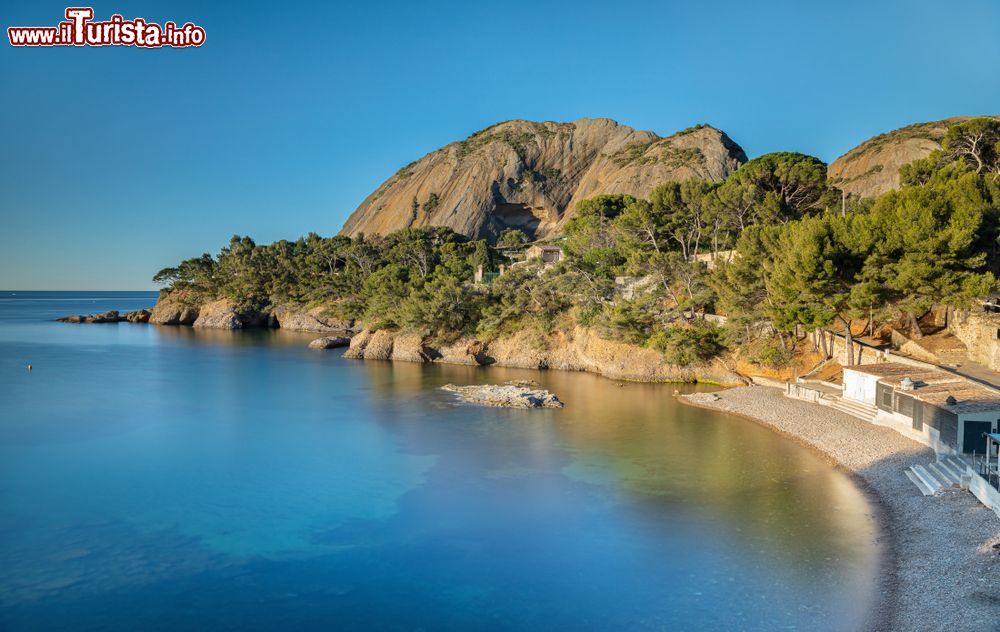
<point>170,478</point>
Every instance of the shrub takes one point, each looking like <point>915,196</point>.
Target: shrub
<point>684,345</point>
<point>768,352</point>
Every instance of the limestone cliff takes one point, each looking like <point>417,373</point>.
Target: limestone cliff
<point>579,350</point>
<point>176,308</point>
<point>872,168</point>
<point>530,175</point>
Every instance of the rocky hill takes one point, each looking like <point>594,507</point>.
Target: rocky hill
<point>872,168</point>
<point>530,175</point>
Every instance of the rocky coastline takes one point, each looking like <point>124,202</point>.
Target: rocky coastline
<point>578,350</point>
<point>940,565</point>
<point>112,316</point>
<point>172,309</point>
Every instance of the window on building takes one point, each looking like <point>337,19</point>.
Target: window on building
<point>886,398</point>
<point>904,405</point>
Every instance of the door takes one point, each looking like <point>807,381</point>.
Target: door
<point>972,436</point>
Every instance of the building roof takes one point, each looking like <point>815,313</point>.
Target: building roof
<point>547,247</point>
<point>934,387</point>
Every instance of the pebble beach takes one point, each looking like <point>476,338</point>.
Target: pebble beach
<point>941,554</point>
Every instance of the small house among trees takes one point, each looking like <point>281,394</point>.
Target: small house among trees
<point>548,254</point>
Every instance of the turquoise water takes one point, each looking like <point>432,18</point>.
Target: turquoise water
<point>166,478</point>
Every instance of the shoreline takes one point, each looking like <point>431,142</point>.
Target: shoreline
<point>937,567</point>
<point>920,585</point>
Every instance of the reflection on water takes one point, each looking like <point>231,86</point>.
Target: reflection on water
<point>172,478</point>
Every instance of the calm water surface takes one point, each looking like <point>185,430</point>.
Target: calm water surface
<point>160,478</point>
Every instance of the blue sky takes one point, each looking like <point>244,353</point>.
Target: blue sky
<point>120,161</point>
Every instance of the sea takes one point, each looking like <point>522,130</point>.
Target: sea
<point>167,478</point>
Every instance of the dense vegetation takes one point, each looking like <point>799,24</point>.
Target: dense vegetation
<point>804,259</point>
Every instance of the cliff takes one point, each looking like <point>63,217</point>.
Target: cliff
<point>579,350</point>
<point>174,308</point>
<point>528,175</point>
<point>872,168</point>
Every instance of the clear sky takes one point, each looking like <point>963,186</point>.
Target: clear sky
<point>119,161</point>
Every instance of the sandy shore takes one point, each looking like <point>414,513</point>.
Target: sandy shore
<point>941,570</point>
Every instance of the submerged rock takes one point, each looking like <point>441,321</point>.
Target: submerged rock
<point>513,394</point>
<point>330,342</point>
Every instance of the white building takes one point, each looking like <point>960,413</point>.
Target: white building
<point>937,408</point>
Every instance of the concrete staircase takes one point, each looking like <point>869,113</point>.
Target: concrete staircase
<point>857,409</point>
<point>947,471</point>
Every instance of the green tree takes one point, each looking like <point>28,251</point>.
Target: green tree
<point>443,307</point>
<point>774,188</point>
<point>512,239</point>
<point>926,244</point>
<point>977,142</point>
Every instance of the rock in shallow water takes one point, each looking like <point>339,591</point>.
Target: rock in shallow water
<point>330,342</point>
<point>104,317</point>
<point>138,316</point>
<point>514,394</point>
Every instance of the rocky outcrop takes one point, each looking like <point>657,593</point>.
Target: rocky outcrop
<point>173,309</point>
<point>112,316</point>
<point>507,395</point>
<point>179,309</point>
<point>581,350</point>
<point>872,168</point>
<point>222,314</point>
<point>527,175</point>
<point>330,342</point>
<point>218,315</point>
<point>300,319</point>
<point>374,345</point>
<point>138,316</point>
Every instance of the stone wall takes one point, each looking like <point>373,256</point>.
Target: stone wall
<point>861,353</point>
<point>979,331</point>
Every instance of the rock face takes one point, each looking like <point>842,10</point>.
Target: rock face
<point>978,331</point>
<point>170,309</point>
<point>307,320</point>
<point>581,350</point>
<point>222,314</point>
<point>872,168</point>
<point>330,342</point>
<point>527,175</point>
<point>507,395</point>
<point>218,315</point>
<point>176,309</point>
<point>138,316</point>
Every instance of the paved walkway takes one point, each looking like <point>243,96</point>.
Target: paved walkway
<point>977,373</point>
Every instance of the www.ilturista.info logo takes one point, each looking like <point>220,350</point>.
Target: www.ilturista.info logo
<point>79,29</point>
